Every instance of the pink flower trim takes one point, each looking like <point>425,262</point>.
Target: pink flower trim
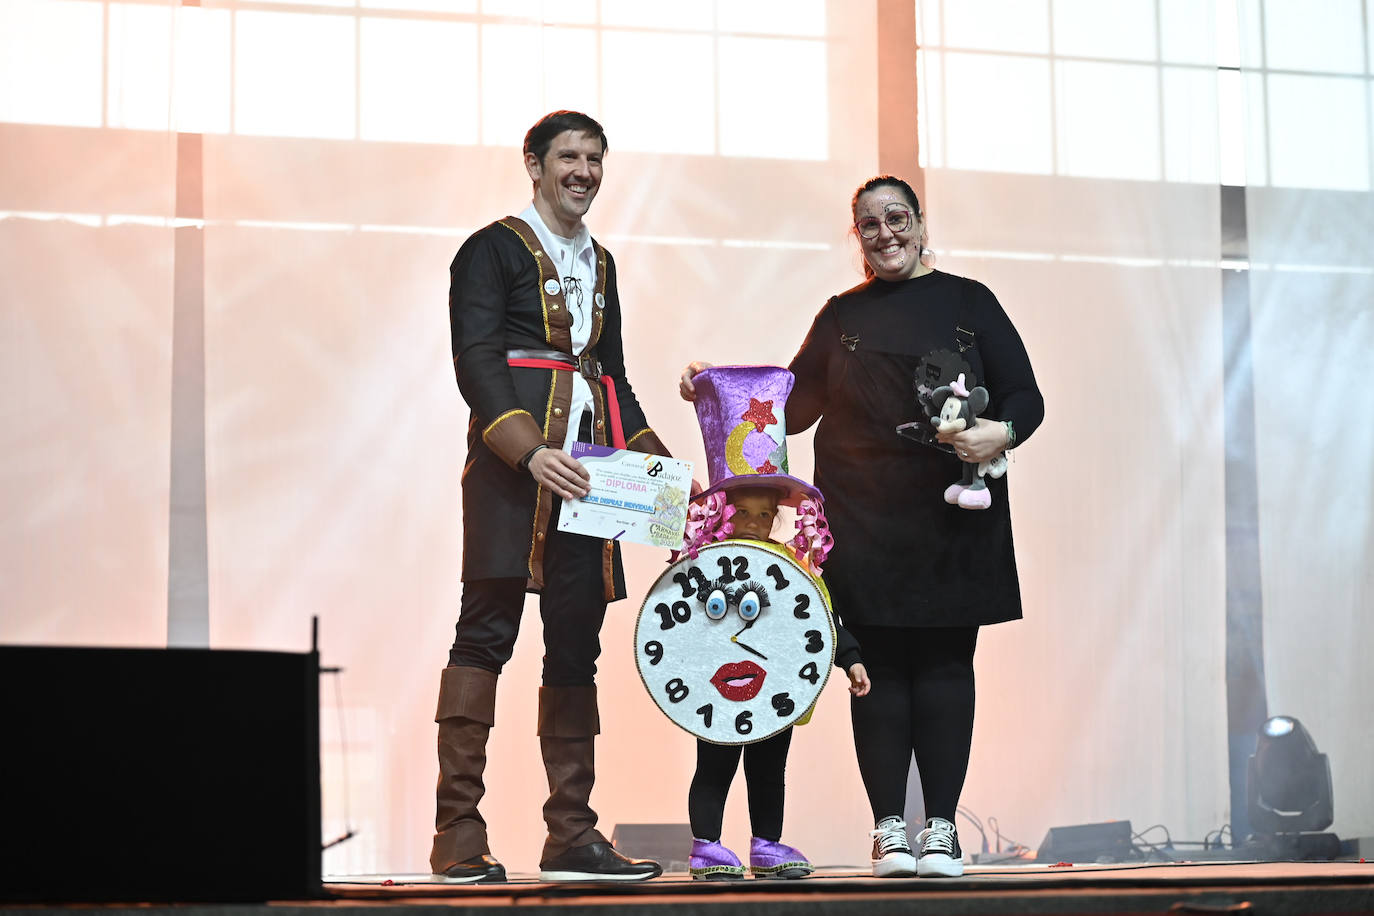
<point>813,540</point>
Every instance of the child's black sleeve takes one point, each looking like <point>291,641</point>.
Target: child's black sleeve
<point>846,649</point>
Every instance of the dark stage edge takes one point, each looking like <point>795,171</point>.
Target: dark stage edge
<point>1277,888</point>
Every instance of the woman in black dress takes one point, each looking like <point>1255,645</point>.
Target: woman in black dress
<point>912,576</point>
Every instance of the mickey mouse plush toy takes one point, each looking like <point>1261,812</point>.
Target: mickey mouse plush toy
<point>957,409</point>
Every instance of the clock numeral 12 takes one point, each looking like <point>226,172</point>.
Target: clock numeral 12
<point>741,573</point>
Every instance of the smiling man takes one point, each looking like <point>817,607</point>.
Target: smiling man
<point>535,319</point>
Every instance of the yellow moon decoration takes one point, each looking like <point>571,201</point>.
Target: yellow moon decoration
<point>734,449</point>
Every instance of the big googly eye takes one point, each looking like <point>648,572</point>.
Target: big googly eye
<point>748,605</point>
<point>716,605</point>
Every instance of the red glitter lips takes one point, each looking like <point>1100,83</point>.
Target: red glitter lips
<point>739,681</point>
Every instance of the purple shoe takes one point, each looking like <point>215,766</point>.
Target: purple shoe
<point>713,862</point>
<point>771,859</point>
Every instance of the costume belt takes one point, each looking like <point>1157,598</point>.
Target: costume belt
<point>587,365</point>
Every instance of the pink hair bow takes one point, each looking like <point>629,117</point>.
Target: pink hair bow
<point>813,540</point>
<point>708,520</point>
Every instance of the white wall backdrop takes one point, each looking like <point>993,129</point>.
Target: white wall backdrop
<point>1072,157</point>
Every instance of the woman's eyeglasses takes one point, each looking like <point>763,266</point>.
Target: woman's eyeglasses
<point>895,220</point>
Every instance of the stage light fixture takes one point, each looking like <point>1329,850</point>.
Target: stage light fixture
<point>1289,786</point>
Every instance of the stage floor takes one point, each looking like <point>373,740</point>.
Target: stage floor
<point>1269,888</point>
<point>1201,887</point>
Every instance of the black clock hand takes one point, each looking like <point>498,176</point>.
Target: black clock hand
<point>747,648</point>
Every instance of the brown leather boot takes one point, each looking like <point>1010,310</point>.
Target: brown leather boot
<point>575,850</point>
<point>568,725</point>
<point>467,707</point>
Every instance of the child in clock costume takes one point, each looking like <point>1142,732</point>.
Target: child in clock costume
<point>734,639</point>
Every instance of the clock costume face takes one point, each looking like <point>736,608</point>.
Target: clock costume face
<point>735,645</point>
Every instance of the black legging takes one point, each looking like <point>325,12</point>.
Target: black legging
<point>764,765</point>
<point>922,702</point>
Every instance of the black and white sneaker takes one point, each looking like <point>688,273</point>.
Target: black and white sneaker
<point>892,856</point>
<point>939,856</point>
<point>597,862</point>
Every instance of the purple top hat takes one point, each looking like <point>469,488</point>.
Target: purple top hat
<point>740,410</point>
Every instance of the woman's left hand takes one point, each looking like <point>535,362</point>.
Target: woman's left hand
<point>859,684</point>
<point>983,442</point>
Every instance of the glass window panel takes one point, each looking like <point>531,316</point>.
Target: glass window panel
<point>334,3</point>
<point>521,9</point>
<point>1190,125</point>
<point>1188,31</point>
<point>999,25</point>
<point>929,29</point>
<point>512,82</point>
<point>418,81</point>
<point>772,17</point>
<point>1120,30</point>
<point>659,91</point>
<point>581,12</point>
<point>1108,120</point>
<point>1325,36</point>
<point>202,91</point>
<point>1251,33</point>
<point>294,75</point>
<point>997,113</point>
<point>50,58</point>
<point>567,86</point>
<point>1228,33</point>
<point>140,68</point>
<point>1256,129</point>
<point>427,6</point>
<point>1318,132</point>
<point>1369,37</point>
<point>659,14</point>
<point>1231,126</point>
<point>930,112</point>
<point>773,98</point>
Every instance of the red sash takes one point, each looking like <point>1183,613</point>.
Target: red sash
<point>612,405</point>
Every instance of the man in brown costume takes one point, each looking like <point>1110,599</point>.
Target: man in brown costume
<point>537,349</point>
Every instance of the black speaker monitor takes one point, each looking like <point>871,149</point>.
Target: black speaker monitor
<point>159,774</point>
<point>1106,842</point>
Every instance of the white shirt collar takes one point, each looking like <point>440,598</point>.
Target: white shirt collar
<point>581,243</point>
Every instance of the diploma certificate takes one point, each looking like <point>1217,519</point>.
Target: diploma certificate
<point>634,497</point>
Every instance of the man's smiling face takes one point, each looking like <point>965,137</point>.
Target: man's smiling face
<point>567,180</point>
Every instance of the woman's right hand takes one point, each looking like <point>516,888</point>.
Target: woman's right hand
<point>684,383</point>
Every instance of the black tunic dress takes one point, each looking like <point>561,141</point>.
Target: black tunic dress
<point>902,555</point>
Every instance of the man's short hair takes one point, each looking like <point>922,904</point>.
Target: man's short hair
<point>540,136</point>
